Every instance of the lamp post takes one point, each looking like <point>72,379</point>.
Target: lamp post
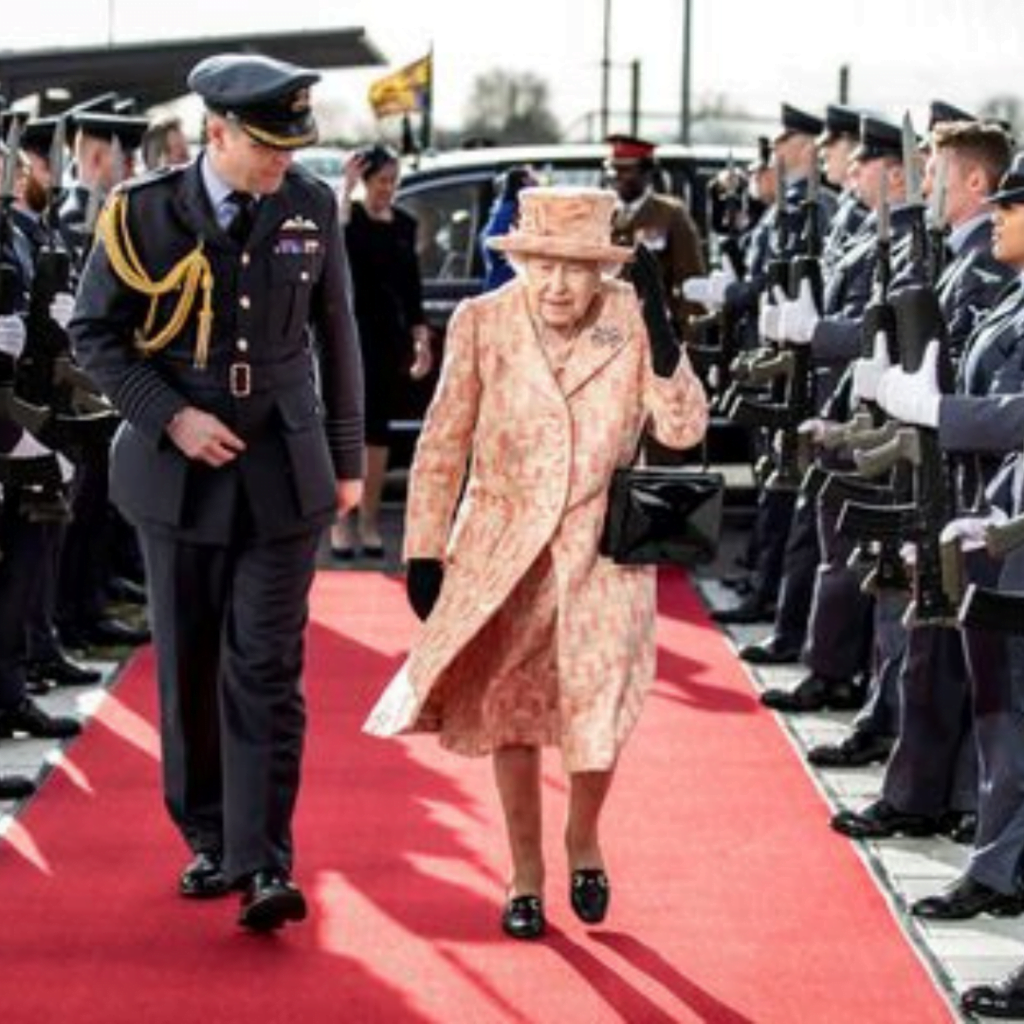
<point>684,112</point>
<point>606,67</point>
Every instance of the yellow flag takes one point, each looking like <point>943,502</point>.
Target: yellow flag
<point>403,91</point>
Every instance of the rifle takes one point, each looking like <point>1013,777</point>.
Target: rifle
<point>918,321</point>
<point>75,416</point>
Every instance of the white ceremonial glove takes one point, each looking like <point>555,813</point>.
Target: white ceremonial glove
<point>969,531</point>
<point>769,319</point>
<point>868,372</point>
<point>799,317</point>
<point>709,292</point>
<point>913,397</point>
<point>61,308</point>
<point>12,335</point>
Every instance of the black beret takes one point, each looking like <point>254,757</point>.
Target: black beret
<point>940,112</point>
<point>796,121</point>
<point>878,138</point>
<point>267,98</point>
<point>1011,185</point>
<point>100,125</point>
<point>840,121</point>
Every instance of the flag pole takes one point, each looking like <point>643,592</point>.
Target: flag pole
<point>426,122</point>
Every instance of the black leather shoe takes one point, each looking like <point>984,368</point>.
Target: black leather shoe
<point>741,585</point>
<point>105,632</point>
<point>61,672</point>
<point>815,693</point>
<point>960,826</point>
<point>967,898</point>
<point>15,787</point>
<point>746,612</point>
<point>29,719</point>
<point>860,748</point>
<point>270,899</point>
<point>204,878</point>
<point>1004,1000</point>
<point>523,917</point>
<point>881,820</point>
<point>769,652</point>
<point>589,894</point>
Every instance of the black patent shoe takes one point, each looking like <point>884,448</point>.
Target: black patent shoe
<point>1004,999</point>
<point>16,787</point>
<point>881,820</point>
<point>860,748</point>
<point>204,878</point>
<point>966,899</point>
<point>29,719</point>
<point>270,900</point>
<point>523,917</point>
<point>748,611</point>
<point>815,693</point>
<point>589,894</point>
<point>771,651</point>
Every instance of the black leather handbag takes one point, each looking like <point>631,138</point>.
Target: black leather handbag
<point>662,515</point>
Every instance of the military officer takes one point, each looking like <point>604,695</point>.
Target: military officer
<point>975,157</point>
<point>926,781</point>
<point>228,462</point>
<point>660,222</point>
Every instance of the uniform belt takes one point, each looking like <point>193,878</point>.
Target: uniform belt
<point>239,378</point>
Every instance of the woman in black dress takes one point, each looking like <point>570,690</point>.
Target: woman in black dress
<point>381,243</point>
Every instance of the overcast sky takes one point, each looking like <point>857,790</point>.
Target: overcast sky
<point>901,52</point>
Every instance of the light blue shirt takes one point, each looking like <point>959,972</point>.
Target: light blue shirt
<point>218,191</point>
<point>958,236</point>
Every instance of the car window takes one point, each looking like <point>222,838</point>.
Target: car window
<point>448,222</point>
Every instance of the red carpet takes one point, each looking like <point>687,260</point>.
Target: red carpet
<point>733,900</point>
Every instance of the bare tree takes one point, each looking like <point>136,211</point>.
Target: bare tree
<point>510,107</point>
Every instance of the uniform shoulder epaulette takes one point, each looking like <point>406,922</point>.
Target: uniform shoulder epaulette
<point>155,177</point>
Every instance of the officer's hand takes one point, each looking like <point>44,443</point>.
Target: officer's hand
<point>423,580</point>
<point>12,335</point>
<point>61,308</point>
<point>868,372</point>
<point>799,317</point>
<point>913,397</point>
<point>349,494</point>
<point>969,532</point>
<point>201,436</point>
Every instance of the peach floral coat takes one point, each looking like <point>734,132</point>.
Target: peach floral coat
<point>539,450</point>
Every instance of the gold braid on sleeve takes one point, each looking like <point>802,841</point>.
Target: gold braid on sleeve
<point>188,275</point>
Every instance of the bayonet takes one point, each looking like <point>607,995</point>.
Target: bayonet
<point>937,220</point>
<point>57,158</point>
<point>884,233</point>
<point>11,157</point>
<point>911,168</point>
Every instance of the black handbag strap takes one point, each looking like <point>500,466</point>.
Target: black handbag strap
<point>637,460</point>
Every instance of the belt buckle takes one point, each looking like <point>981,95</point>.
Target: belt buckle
<point>240,380</point>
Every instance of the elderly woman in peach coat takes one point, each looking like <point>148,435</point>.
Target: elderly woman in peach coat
<point>531,637</point>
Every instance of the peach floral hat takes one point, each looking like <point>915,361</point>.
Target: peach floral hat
<point>565,222</point>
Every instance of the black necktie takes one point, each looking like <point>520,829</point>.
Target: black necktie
<point>241,223</point>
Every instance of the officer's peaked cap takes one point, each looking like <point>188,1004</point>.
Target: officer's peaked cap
<point>840,121</point>
<point>878,138</point>
<point>267,98</point>
<point>101,125</point>
<point>1011,185</point>
<point>796,121</point>
<point>940,112</point>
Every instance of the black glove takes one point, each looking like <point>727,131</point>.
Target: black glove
<point>423,580</point>
<point>645,276</point>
